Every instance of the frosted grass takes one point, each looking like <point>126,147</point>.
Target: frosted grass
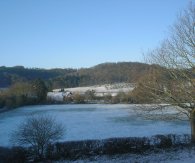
<point>93,121</point>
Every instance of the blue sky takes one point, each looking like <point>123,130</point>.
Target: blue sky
<point>82,33</point>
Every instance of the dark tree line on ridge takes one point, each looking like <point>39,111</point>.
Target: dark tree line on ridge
<point>105,73</point>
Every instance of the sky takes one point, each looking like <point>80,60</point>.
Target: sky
<point>82,33</point>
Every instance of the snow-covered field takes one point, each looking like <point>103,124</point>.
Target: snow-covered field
<point>93,121</point>
<point>101,90</point>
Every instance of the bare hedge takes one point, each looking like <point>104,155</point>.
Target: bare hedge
<point>86,148</point>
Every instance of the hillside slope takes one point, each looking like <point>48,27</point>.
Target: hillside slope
<point>104,73</point>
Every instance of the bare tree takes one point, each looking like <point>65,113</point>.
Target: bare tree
<point>174,81</point>
<point>90,95</point>
<point>38,132</point>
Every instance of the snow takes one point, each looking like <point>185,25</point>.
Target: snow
<point>101,90</point>
<point>185,155</point>
<point>57,96</point>
<point>93,121</point>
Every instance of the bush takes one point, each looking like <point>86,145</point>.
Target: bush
<point>38,132</point>
<point>79,99</point>
<point>13,155</point>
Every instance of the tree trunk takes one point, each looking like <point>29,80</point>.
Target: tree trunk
<point>192,121</point>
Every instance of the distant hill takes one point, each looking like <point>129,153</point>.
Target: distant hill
<point>11,75</point>
<point>114,72</point>
<point>56,78</point>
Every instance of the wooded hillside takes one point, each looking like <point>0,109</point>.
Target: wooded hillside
<point>56,78</point>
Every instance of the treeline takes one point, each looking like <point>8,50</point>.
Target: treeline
<point>58,78</point>
<point>35,92</point>
<point>12,75</point>
<point>23,93</point>
<point>105,73</point>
